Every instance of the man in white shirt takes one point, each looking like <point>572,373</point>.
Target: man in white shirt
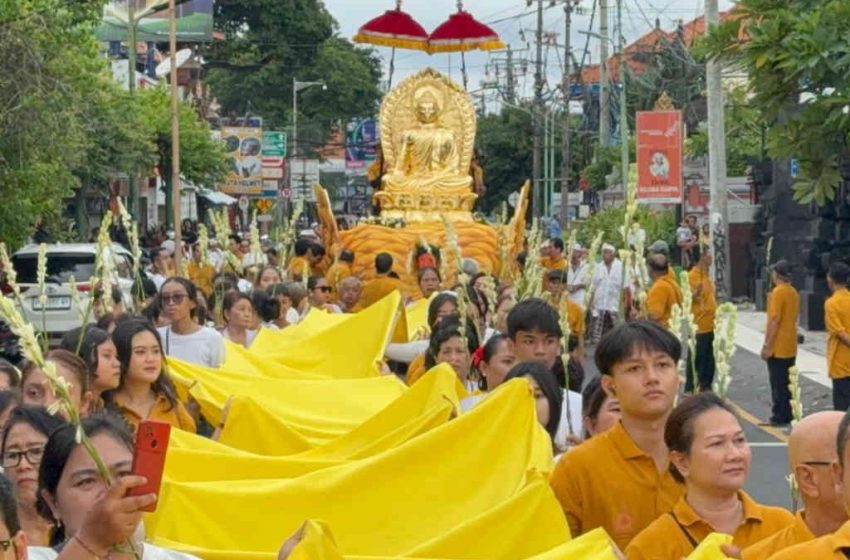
<point>607,290</point>
<point>577,279</point>
<point>160,266</point>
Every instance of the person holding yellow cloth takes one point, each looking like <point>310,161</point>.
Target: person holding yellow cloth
<point>834,545</point>
<point>710,454</point>
<point>382,285</point>
<point>701,368</point>
<point>812,453</point>
<point>837,317</point>
<point>619,480</point>
<point>780,341</point>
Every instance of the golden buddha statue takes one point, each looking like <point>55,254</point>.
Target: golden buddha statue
<point>428,155</point>
<point>427,135</point>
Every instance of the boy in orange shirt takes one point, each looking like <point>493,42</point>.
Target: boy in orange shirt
<point>619,480</point>
<point>663,293</point>
<point>837,316</point>
<point>780,341</point>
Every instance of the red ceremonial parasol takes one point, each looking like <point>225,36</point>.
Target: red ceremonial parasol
<point>461,33</point>
<point>396,29</point>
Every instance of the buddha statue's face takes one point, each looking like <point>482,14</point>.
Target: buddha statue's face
<point>427,109</point>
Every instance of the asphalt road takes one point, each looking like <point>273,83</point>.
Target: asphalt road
<point>750,392</point>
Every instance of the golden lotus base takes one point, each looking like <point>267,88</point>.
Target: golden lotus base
<point>477,241</point>
<point>426,205</point>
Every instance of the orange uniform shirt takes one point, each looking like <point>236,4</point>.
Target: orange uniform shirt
<point>662,295</point>
<point>297,268</point>
<point>162,411</point>
<point>377,289</point>
<point>201,276</point>
<point>336,273</point>
<point>796,533</point>
<point>784,304</point>
<point>822,548</point>
<point>704,305</point>
<point>665,540</point>
<point>575,316</point>
<point>553,264</point>
<point>837,317</point>
<point>609,482</point>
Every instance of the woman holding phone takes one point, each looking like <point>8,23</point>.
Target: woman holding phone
<point>92,520</point>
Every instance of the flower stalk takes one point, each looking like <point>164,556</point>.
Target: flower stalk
<point>725,321</point>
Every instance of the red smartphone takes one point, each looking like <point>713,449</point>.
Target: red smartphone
<point>149,457</point>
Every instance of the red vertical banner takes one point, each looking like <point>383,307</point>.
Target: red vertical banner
<point>659,156</point>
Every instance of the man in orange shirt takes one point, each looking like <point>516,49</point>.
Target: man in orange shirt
<point>837,317</point>
<point>382,285</point>
<point>703,307</point>
<point>663,293</point>
<point>780,341</point>
<point>339,270</point>
<point>299,265</point>
<point>811,452</point>
<point>620,480</point>
<point>833,545</point>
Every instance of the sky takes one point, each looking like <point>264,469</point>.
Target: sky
<point>515,22</point>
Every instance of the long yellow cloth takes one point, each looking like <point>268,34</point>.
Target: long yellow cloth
<point>212,388</point>
<point>288,417</point>
<point>351,348</point>
<point>414,413</point>
<point>387,504</point>
<point>415,317</point>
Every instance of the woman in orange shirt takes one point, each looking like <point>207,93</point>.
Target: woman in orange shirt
<point>145,391</point>
<point>710,454</point>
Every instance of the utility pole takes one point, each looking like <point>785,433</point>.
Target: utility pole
<point>604,103</point>
<point>719,216</point>
<point>538,114</point>
<point>135,209</point>
<point>624,116</point>
<point>511,89</point>
<point>566,163</point>
<point>175,136</point>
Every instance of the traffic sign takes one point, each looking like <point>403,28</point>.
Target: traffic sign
<point>274,144</point>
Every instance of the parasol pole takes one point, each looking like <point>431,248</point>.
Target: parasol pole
<point>392,69</point>
<point>463,68</point>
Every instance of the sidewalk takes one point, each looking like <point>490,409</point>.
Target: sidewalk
<point>811,354</point>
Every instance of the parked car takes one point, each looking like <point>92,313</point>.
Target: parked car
<point>65,260</point>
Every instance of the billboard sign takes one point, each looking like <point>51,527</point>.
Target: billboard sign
<point>659,156</point>
<point>361,143</point>
<point>244,147</point>
<point>194,21</point>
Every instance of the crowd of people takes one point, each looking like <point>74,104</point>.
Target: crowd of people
<point>658,476</point>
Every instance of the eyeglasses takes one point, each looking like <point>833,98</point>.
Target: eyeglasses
<point>324,289</point>
<point>12,459</point>
<point>176,299</point>
<point>818,463</point>
<point>5,544</point>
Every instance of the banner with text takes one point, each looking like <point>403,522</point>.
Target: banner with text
<point>659,156</point>
<point>244,147</point>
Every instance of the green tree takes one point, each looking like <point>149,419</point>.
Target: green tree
<point>48,62</point>
<point>743,134</point>
<point>271,42</point>
<point>202,158</point>
<point>505,143</point>
<point>796,50</point>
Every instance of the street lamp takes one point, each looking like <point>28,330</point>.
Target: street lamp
<point>296,87</point>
